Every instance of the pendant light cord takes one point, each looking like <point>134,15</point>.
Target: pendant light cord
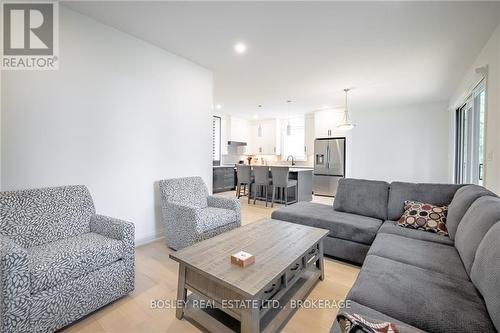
<point>346,111</point>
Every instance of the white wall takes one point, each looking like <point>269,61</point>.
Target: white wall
<point>409,143</point>
<point>490,56</point>
<point>119,115</point>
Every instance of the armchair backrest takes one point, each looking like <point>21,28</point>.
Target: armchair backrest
<point>39,216</point>
<point>188,190</point>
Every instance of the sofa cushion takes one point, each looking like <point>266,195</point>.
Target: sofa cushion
<point>345,249</point>
<point>39,216</point>
<point>213,217</point>
<point>463,199</point>
<point>428,300</point>
<point>485,272</point>
<point>67,259</point>
<point>391,227</point>
<point>436,194</point>
<point>433,256</point>
<point>480,217</point>
<point>347,226</point>
<point>353,307</point>
<point>425,217</point>
<point>362,197</point>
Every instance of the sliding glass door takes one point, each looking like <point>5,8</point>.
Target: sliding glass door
<point>469,164</point>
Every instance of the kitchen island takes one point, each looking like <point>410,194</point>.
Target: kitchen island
<point>225,179</point>
<point>304,179</point>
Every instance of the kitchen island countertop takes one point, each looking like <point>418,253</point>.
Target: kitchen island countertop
<point>292,168</point>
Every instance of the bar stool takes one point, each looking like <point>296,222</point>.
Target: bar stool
<point>282,183</point>
<point>261,174</point>
<point>244,177</point>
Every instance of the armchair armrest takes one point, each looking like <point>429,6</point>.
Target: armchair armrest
<point>15,298</point>
<point>183,214</point>
<point>222,202</point>
<point>117,229</point>
<point>182,224</point>
<point>226,203</point>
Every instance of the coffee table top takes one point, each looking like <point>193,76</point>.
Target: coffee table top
<point>275,245</point>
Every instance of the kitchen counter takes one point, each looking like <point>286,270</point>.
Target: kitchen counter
<point>294,168</point>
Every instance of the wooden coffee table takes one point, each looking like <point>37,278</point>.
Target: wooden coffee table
<point>227,298</point>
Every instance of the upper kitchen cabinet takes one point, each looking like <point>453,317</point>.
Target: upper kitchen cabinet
<point>326,122</point>
<point>264,137</point>
<point>310,134</point>
<point>238,130</point>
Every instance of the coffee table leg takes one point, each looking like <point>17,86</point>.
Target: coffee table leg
<point>250,320</point>
<point>320,264</point>
<point>181,291</point>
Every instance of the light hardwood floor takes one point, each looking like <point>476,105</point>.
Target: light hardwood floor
<point>156,279</point>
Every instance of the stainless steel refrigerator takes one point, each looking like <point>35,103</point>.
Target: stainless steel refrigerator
<point>329,165</point>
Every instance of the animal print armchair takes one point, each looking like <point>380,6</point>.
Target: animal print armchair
<point>191,215</point>
<point>59,261</point>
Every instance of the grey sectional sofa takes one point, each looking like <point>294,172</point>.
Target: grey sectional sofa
<point>415,278</point>
<point>59,261</point>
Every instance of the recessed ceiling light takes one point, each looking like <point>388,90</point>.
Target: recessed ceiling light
<point>218,106</point>
<point>240,48</point>
<point>255,116</point>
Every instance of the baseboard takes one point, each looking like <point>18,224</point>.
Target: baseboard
<point>147,240</point>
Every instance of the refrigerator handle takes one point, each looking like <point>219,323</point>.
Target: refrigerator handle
<point>328,156</point>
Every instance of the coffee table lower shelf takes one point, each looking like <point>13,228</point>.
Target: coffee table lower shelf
<point>215,320</point>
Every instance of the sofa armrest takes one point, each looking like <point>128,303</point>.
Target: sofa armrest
<point>226,203</point>
<point>15,297</point>
<point>117,229</point>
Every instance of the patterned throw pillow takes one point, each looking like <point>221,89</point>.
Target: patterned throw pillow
<point>424,216</point>
<point>350,323</point>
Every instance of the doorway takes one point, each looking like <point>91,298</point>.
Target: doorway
<point>470,130</point>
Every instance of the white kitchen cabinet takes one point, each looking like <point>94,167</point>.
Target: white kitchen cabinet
<point>253,142</point>
<point>239,130</point>
<point>269,142</point>
<point>326,122</point>
<point>310,134</point>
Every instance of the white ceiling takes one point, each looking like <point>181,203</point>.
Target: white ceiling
<point>392,53</point>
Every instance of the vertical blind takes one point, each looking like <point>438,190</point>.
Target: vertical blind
<point>216,138</point>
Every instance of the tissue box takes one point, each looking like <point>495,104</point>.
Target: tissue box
<point>242,259</point>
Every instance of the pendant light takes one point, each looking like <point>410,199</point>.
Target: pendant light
<point>288,125</point>
<point>259,129</point>
<point>346,124</point>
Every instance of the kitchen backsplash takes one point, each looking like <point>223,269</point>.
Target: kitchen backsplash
<point>268,160</point>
